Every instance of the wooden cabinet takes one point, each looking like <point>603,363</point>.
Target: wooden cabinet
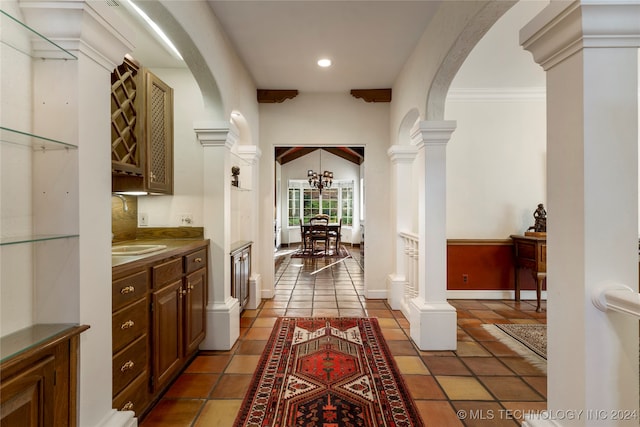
<point>141,130</point>
<point>38,376</point>
<point>166,311</point>
<point>195,303</point>
<point>241,272</point>
<point>158,134</point>
<point>130,338</point>
<point>530,252</point>
<point>166,298</point>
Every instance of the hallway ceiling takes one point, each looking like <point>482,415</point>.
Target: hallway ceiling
<point>281,41</point>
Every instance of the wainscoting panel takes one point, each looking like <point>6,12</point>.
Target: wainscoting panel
<point>483,264</point>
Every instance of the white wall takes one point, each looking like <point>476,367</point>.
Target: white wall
<point>342,169</point>
<point>325,120</point>
<point>496,158</point>
<point>496,166</point>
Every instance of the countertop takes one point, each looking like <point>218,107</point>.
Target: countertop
<point>174,247</point>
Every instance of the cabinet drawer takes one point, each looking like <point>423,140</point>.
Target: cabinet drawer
<point>129,289</point>
<point>135,396</point>
<point>167,272</point>
<point>129,363</point>
<point>129,323</point>
<point>195,261</point>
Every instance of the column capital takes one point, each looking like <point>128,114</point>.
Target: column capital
<point>216,134</point>
<point>402,153</point>
<point>563,28</point>
<point>249,153</point>
<point>92,28</point>
<point>432,132</point>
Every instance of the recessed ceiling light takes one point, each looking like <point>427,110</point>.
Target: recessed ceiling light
<point>324,62</point>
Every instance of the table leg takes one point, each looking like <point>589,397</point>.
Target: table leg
<point>517,285</point>
<point>539,279</point>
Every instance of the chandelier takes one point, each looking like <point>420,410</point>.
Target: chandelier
<point>320,181</point>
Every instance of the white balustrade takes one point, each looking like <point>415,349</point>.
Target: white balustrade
<point>410,242</point>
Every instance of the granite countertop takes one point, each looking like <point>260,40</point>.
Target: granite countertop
<point>173,247</point>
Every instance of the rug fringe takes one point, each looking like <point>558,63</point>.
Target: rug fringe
<point>515,345</point>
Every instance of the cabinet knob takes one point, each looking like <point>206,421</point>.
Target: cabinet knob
<point>126,325</point>
<point>190,286</point>
<point>127,365</point>
<point>127,290</point>
<point>183,292</point>
<point>127,406</point>
<point>198,260</point>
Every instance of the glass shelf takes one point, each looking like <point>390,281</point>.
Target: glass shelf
<point>6,241</point>
<point>35,142</point>
<point>39,47</point>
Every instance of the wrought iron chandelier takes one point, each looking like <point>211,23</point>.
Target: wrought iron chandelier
<point>320,181</point>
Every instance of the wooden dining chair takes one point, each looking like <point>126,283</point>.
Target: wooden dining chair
<point>304,236</point>
<point>318,232</point>
<point>334,235</point>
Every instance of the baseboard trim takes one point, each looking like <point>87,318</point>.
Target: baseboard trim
<point>497,294</point>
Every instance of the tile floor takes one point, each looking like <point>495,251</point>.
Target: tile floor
<point>482,383</point>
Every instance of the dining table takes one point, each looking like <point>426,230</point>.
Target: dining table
<point>331,228</point>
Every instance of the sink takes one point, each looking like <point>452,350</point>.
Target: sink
<point>135,249</point>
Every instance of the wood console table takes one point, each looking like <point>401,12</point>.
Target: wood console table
<point>530,253</point>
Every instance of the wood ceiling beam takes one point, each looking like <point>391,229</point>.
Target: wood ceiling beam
<point>271,96</point>
<point>372,95</point>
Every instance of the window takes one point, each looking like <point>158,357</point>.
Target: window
<point>305,202</point>
<point>294,207</point>
<point>347,206</point>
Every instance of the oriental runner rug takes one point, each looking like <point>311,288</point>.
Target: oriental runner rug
<point>529,340</point>
<point>327,372</point>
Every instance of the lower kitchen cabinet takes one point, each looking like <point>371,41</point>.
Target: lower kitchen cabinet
<point>195,310</point>
<point>164,325</point>
<point>38,376</point>
<point>166,307</point>
<point>241,272</point>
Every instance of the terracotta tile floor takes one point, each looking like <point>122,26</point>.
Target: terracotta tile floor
<point>483,381</point>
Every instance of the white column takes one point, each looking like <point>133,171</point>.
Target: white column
<point>71,103</point>
<point>590,53</point>
<point>402,157</point>
<point>251,155</point>
<point>433,319</point>
<point>223,311</point>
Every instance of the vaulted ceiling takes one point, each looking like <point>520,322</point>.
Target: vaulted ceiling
<point>287,154</point>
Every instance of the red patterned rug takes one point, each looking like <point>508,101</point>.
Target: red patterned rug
<point>327,372</point>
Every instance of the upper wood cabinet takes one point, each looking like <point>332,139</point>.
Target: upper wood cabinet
<point>141,130</point>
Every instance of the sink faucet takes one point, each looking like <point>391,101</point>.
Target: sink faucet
<point>125,207</point>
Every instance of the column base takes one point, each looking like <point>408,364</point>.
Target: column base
<point>433,326</point>
<point>255,292</point>
<point>119,419</point>
<point>396,284</point>
<point>223,325</point>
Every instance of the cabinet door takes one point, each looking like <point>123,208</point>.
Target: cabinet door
<point>244,284</point>
<point>195,309</point>
<point>159,134</point>
<point>167,333</point>
<point>27,398</point>
<point>236,277</point>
